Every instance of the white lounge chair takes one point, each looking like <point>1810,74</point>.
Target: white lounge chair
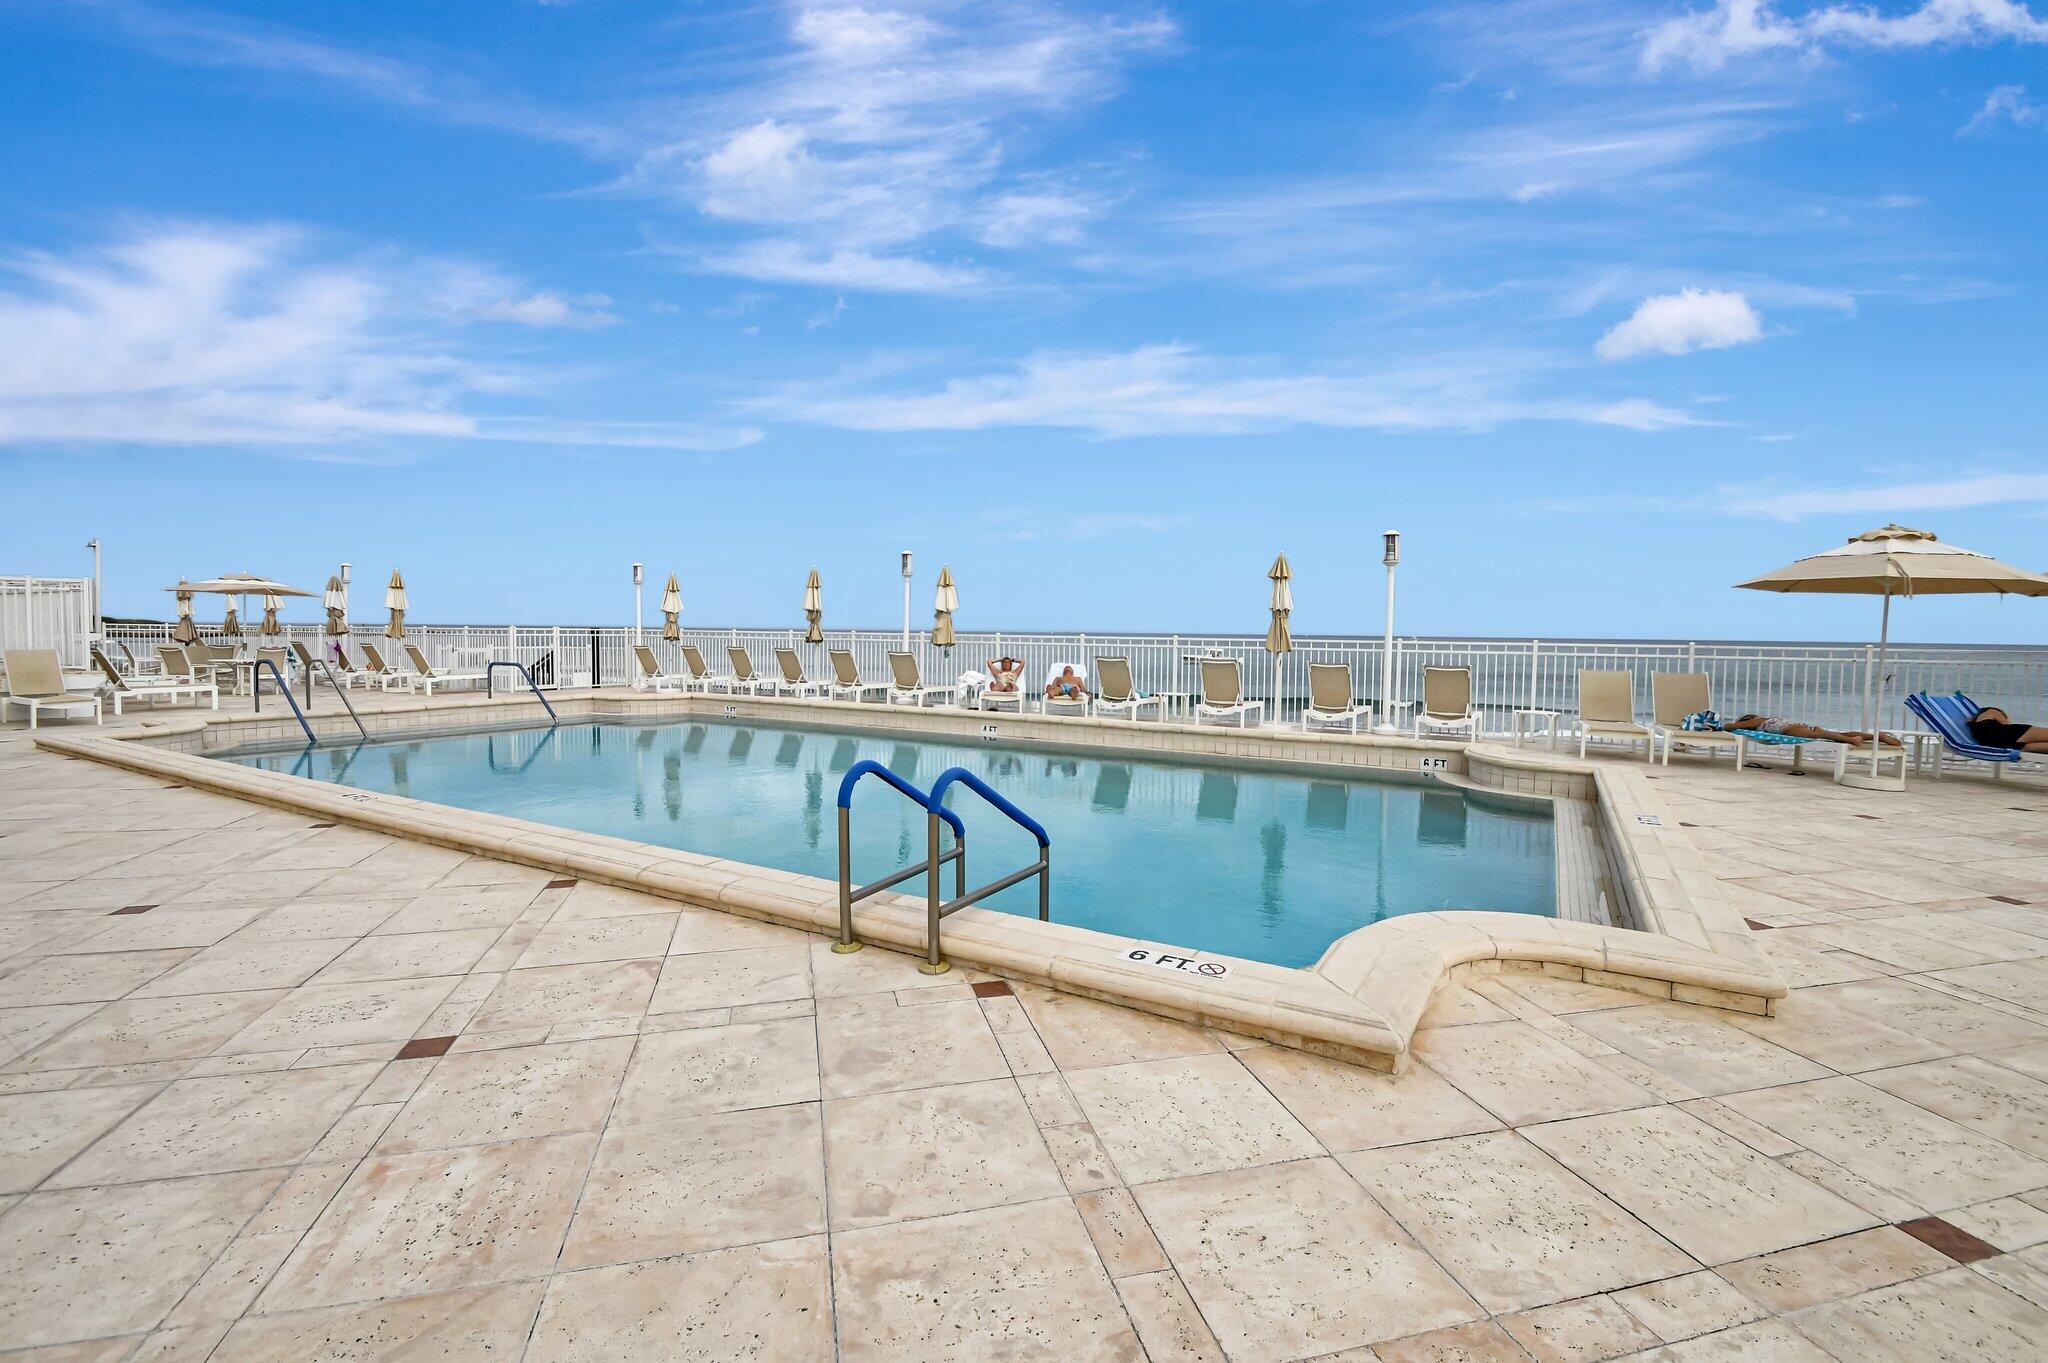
<point>1330,698</point>
<point>1223,693</point>
<point>701,676</point>
<point>425,678</point>
<point>793,682</point>
<point>1447,703</point>
<point>1015,698</point>
<point>651,677</point>
<point>846,678</point>
<point>1115,694</point>
<point>377,670</point>
<point>1064,705</point>
<point>906,682</point>
<point>348,673</point>
<point>743,673</point>
<point>1673,696</point>
<point>153,689</point>
<point>138,667</point>
<point>35,682</point>
<point>1607,708</point>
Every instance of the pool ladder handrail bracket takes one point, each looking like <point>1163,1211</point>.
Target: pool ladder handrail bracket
<point>284,689</point>
<point>848,894</point>
<point>490,684</point>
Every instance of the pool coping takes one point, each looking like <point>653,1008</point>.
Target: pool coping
<point>1361,1001</point>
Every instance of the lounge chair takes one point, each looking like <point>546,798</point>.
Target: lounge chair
<point>376,669</point>
<point>793,681</point>
<point>906,682</point>
<point>1064,705</point>
<point>701,675</point>
<point>1447,703</point>
<point>1223,693</point>
<point>651,677</point>
<point>278,658</point>
<point>1949,716</point>
<point>124,688</point>
<point>1331,698</point>
<point>1607,708</point>
<point>846,678</point>
<point>425,678</point>
<point>743,673</point>
<point>1673,696</point>
<point>348,673</point>
<point>1114,692</point>
<point>35,682</point>
<point>138,667</point>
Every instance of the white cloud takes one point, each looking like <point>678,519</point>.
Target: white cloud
<point>243,335</point>
<point>1707,40</point>
<point>796,262</point>
<point>1886,499</point>
<point>1678,323</point>
<point>543,310</point>
<point>1027,218</point>
<point>2008,104</point>
<point>1174,389</point>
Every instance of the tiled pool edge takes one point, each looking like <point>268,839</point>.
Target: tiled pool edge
<point>1360,1002</point>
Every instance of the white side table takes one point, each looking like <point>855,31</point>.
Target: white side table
<point>1529,723</point>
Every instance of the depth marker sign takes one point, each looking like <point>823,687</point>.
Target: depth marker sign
<point>1172,960</point>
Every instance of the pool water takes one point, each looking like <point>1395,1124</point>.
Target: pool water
<point>1268,864</point>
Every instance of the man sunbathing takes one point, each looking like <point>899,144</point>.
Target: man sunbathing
<point>1792,728</point>
<point>1994,728</point>
<point>1066,686</point>
<point>1005,673</point>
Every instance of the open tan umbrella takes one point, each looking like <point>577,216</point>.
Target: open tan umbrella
<point>185,631</point>
<point>1896,561</point>
<point>671,607</point>
<point>270,628</point>
<point>814,609</point>
<point>394,601</point>
<point>242,584</point>
<point>944,603</point>
<point>231,623</point>
<point>336,602</point>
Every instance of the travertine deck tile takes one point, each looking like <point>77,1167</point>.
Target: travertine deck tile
<point>755,1304</point>
<point>1347,1107</point>
<point>929,1152</point>
<point>720,1069</point>
<point>1171,1118</point>
<point>1521,1075</point>
<point>487,1096</point>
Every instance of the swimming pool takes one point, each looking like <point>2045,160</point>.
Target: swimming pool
<point>1268,864</point>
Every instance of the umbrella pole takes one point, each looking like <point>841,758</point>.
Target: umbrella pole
<point>1884,634</point>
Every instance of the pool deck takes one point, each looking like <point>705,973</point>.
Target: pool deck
<point>337,1094</point>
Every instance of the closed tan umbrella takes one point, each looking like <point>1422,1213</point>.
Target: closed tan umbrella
<point>1279,636</point>
<point>1896,561</point>
<point>185,631</point>
<point>814,609</point>
<point>231,623</point>
<point>671,608</point>
<point>944,603</point>
<point>394,601</point>
<point>335,600</point>
<point>270,628</point>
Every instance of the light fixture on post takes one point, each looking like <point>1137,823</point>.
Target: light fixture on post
<point>906,600</point>
<point>1391,557</point>
<point>639,576</point>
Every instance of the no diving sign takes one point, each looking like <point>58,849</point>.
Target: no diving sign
<point>1171,960</point>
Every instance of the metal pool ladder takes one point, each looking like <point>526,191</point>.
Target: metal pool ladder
<point>936,813</point>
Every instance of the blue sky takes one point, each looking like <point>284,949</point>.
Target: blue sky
<point>1605,305</point>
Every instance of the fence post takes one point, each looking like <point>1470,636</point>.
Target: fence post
<point>1690,665</point>
<point>1535,651</point>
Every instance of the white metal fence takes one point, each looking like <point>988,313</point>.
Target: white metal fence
<point>47,612</point>
<point>1818,683</point>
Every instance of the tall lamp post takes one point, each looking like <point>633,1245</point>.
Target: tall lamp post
<point>906,600</point>
<point>639,576</point>
<point>1392,558</point>
<point>344,593</point>
<point>98,611</point>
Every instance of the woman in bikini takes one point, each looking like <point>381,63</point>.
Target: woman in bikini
<point>1005,673</point>
<point>1792,728</point>
<point>1994,728</point>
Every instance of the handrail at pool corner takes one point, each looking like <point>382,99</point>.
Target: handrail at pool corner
<point>848,895</point>
<point>990,794</point>
<point>284,689</point>
<point>490,674</point>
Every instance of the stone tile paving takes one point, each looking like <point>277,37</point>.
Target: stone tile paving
<point>277,1091</point>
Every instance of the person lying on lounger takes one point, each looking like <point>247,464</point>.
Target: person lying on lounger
<point>1005,673</point>
<point>1792,728</point>
<point>1066,686</point>
<point>1994,728</point>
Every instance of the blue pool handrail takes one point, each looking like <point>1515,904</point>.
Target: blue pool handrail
<point>870,767</point>
<point>490,673</point>
<point>990,794</point>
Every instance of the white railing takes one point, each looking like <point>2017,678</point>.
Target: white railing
<point>47,612</point>
<point>1818,683</point>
